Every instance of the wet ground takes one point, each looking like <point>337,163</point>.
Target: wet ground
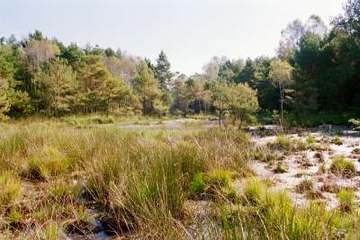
<point>296,170</point>
<point>310,164</point>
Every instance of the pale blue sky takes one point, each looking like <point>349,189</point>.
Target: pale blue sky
<point>189,31</point>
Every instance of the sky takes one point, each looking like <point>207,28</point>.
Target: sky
<point>190,32</point>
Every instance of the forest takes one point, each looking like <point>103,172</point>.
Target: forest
<point>316,70</point>
<point>99,144</point>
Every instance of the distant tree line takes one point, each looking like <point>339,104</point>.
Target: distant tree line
<point>316,69</point>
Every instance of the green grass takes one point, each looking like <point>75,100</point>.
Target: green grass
<point>337,141</point>
<point>10,188</point>
<point>52,173</point>
<point>346,200</point>
<point>288,145</point>
<point>342,166</point>
<point>314,119</point>
<point>217,183</point>
<point>265,214</point>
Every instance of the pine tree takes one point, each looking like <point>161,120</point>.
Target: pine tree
<point>55,86</point>
<point>162,71</point>
<point>147,88</point>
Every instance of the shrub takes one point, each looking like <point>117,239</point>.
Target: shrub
<point>342,166</point>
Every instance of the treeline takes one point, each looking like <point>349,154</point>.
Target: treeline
<point>316,69</point>
<point>43,76</point>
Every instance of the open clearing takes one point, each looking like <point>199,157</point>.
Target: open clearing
<point>176,179</point>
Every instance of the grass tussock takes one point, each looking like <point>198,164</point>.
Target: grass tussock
<point>346,199</point>
<point>289,145</point>
<point>10,188</point>
<point>265,214</point>
<point>342,166</point>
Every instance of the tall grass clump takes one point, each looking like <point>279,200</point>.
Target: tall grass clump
<point>265,214</point>
<point>12,149</point>
<point>48,162</point>
<point>10,188</point>
<point>342,166</point>
<point>346,199</point>
<point>143,182</point>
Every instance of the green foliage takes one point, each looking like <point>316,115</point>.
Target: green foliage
<point>243,102</point>
<point>55,86</point>
<point>281,75</point>
<point>355,123</point>
<point>198,184</point>
<point>146,87</point>
<point>162,71</point>
<point>239,100</point>
<point>265,214</point>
